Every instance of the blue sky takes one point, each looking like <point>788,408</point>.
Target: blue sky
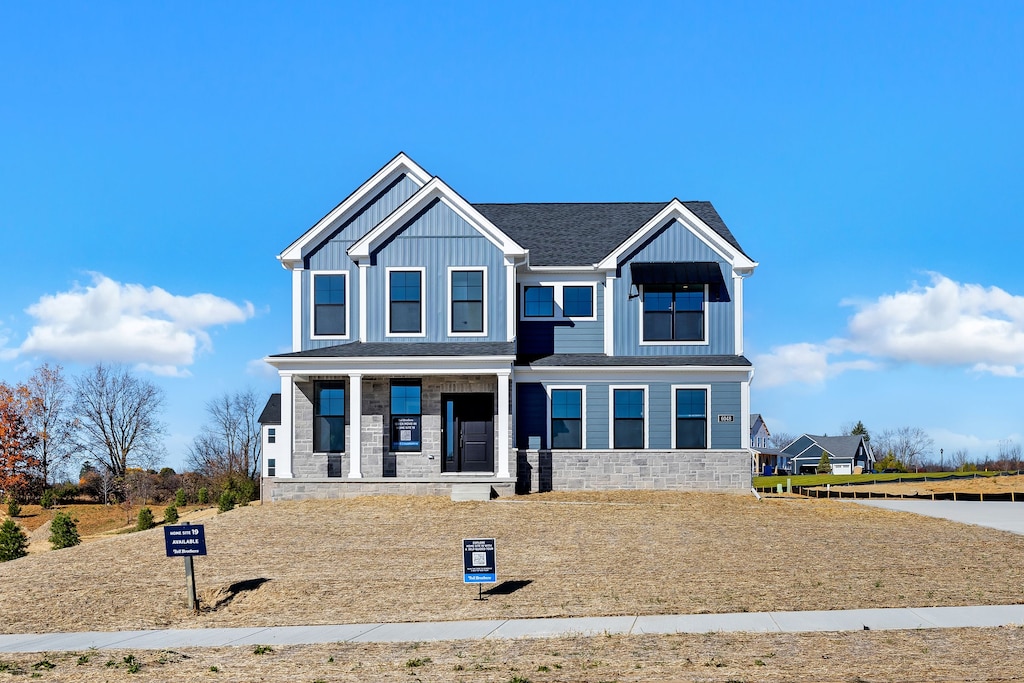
<point>155,157</point>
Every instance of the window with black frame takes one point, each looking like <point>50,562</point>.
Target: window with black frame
<point>406,419</point>
<point>628,413</point>
<point>329,317</point>
<point>467,301</point>
<point>691,418</point>
<point>406,304</point>
<point>329,417</point>
<point>673,312</point>
<point>567,418</point>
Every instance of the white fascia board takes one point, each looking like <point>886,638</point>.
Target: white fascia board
<point>400,165</point>
<point>641,373</point>
<point>675,209</point>
<point>434,189</point>
<point>398,365</point>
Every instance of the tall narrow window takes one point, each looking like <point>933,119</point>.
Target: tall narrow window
<point>539,302</point>
<point>674,313</point>
<point>271,467</point>
<point>566,418</point>
<point>628,427</point>
<point>271,435</point>
<point>406,304</point>
<point>329,296</point>
<point>577,302</point>
<point>691,418</point>
<point>329,417</point>
<point>405,415</point>
<point>467,301</point>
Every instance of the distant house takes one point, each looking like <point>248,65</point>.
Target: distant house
<point>514,347</point>
<point>845,453</point>
<point>767,460</point>
<point>274,447</point>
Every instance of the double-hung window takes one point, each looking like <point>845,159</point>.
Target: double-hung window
<point>271,434</point>
<point>406,415</point>
<point>567,418</point>
<point>271,467</point>
<point>628,417</point>
<point>691,417</point>
<point>330,317</point>
<point>673,313</point>
<point>329,417</point>
<point>405,302</point>
<point>467,301</point>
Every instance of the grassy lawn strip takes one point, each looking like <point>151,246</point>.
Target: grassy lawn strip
<point>836,479</point>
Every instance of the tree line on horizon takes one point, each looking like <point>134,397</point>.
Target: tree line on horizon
<point>106,424</point>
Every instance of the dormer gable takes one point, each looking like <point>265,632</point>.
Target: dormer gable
<point>401,166</point>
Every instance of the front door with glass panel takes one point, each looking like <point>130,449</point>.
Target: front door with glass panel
<point>467,432</point>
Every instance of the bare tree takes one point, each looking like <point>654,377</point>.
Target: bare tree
<point>1009,454</point>
<point>118,416</point>
<point>779,440</point>
<point>229,443</point>
<point>909,445</point>
<point>49,416</point>
<point>958,459</point>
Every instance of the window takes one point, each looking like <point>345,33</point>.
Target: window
<point>329,311</point>
<point>691,418</point>
<point>271,467</point>
<point>405,415</point>
<point>271,435</point>
<point>577,302</point>
<point>539,302</point>
<point>467,297</point>
<point>567,418</point>
<point>329,417</point>
<point>405,302</point>
<point>628,418</point>
<point>673,313</point>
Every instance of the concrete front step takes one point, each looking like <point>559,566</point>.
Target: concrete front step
<point>475,491</point>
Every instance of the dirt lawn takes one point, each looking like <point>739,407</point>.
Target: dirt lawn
<point>979,485</point>
<point>399,559</point>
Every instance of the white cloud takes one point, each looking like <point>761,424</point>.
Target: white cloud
<point>945,323</point>
<point>260,368</point>
<point>127,323</point>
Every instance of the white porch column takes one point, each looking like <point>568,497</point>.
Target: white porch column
<point>284,465</point>
<point>355,425</point>
<point>503,423</point>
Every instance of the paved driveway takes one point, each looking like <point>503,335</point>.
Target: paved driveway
<point>997,515</point>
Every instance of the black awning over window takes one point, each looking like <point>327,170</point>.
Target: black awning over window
<point>683,273</point>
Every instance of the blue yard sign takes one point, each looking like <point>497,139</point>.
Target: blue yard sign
<point>479,561</point>
<point>185,540</point>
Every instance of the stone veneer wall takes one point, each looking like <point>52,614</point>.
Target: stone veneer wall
<point>604,470</point>
<point>302,489</point>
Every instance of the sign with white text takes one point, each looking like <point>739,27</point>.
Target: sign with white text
<point>479,561</point>
<point>185,540</point>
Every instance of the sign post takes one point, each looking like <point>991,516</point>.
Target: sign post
<point>479,562</point>
<point>186,540</point>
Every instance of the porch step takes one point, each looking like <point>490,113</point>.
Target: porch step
<point>464,492</point>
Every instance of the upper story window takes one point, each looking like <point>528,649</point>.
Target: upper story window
<point>567,418</point>
<point>673,313</point>
<point>539,302</point>
<point>271,435</point>
<point>329,417</point>
<point>405,415</point>
<point>330,309</point>
<point>691,428</point>
<point>578,301</point>
<point>405,302</point>
<point>628,429</point>
<point>467,312</point>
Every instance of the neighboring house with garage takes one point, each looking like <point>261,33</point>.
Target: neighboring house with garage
<point>515,347</point>
<point>846,454</point>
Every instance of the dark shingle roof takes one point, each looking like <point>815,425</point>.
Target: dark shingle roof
<point>271,414</point>
<point>417,349</point>
<point>600,360</point>
<point>583,234</point>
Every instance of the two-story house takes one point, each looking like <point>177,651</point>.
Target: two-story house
<point>521,347</point>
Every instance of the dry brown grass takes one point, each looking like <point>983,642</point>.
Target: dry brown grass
<point>979,485</point>
<point>398,559</point>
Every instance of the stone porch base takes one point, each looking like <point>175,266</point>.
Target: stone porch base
<point>274,489</point>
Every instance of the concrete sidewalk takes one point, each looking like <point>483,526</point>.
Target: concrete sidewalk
<point>994,514</point>
<point>757,622</point>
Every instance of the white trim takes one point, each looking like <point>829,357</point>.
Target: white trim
<point>392,365</point>
<point>707,319</point>
<point>676,210</point>
<point>450,301</point>
<point>510,297</point>
<point>611,413</point>
<point>293,255</point>
<point>354,446</point>
<point>605,373</point>
<point>737,297</point>
<point>609,315</point>
<point>706,388</point>
<point>363,270</point>
<point>312,305</point>
<point>504,425</point>
<point>423,301</point>
<point>287,440</point>
<point>582,388</point>
<point>558,299</point>
<point>434,189</point>
<point>297,309</point>
<point>745,415</point>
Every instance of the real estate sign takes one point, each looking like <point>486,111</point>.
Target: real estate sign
<point>185,540</point>
<point>478,558</point>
